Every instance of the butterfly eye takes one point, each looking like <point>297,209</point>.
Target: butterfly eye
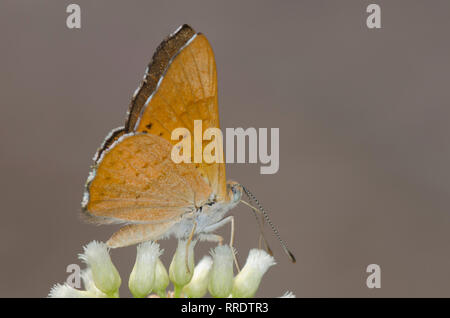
<point>234,189</point>
<point>237,192</point>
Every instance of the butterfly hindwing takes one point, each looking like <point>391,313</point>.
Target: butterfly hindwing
<point>135,180</point>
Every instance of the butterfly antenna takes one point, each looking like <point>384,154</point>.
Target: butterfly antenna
<point>266,217</point>
<point>260,222</point>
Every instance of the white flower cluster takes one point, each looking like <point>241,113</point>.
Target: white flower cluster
<point>149,276</point>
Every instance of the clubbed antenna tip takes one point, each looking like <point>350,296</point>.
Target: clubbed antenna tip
<point>291,256</point>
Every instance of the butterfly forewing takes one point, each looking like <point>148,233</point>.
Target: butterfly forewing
<point>186,91</point>
<point>158,65</point>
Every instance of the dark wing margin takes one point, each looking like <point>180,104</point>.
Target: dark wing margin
<point>108,141</point>
<point>155,70</point>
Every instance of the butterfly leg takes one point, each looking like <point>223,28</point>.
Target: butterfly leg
<point>187,246</point>
<point>209,237</point>
<point>228,219</point>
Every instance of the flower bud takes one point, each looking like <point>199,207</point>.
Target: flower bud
<point>199,283</point>
<point>66,291</point>
<point>246,283</point>
<point>161,279</point>
<point>142,276</point>
<point>288,294</point>
<point>105,275</point>
<point>221,275</point>
<point>89,285</point>
<point>179,273</point>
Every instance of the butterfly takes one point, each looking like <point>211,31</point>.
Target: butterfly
<point>134,181</point>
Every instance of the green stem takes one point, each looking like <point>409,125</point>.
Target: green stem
<point>177,291</point>
<point>162,293</point>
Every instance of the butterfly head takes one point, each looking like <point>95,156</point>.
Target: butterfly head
<point>234,191</point>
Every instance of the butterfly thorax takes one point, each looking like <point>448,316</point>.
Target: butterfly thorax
<point>208,214</point>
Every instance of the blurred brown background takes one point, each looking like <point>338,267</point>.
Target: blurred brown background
<point>364,129</point>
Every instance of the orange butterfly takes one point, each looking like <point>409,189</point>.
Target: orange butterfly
<point>134,180</point>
